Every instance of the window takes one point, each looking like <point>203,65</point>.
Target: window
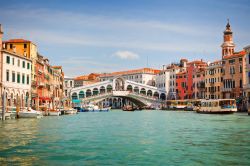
<point>18,62</point>
<point>23,79</point>
<point>13,61</point>
<point>231,61</point>
<point>28,80</point>
<point>7,75</point>
<point>240,68</point>
<point>249,58</point>
<point>240,59</point>
<point>28,65</point>
<point>18,77</point>
<point>23,64</point>
<point>240,83</point>
<point>11,46</point>
<point>13,76</point>
<point>8,59</point>
<point>25,46</point>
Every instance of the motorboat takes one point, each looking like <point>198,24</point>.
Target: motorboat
<point>218,106</point>
<point>54,112</point>
<point>106,109</point>
<point>70,111</point>
<point>29,113</point>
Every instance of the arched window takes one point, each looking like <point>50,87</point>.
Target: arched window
<point>81,95</point>
<point>109,88</point>
<point>129,88</point>
<point>74,96</point>
<point>88,93</point>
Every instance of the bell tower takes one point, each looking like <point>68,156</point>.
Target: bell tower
<point>228,44</point>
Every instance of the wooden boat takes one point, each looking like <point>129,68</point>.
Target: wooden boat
<point>177,104</point>
<point>128,108</point>
<point>29,113</point>
<point>218,106</point>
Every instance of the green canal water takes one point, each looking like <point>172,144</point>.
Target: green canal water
<point>127,138</point>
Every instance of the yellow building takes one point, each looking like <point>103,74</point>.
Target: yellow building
<point>213,80</point>
<point>23,47</point>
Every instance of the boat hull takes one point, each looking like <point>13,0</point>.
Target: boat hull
<point>55,113</point>
<point>29,115</point>
<point>215,112</point>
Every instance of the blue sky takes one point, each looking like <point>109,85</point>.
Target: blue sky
<point>104,36</point>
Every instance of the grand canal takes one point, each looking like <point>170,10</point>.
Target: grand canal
<point>122,138</point>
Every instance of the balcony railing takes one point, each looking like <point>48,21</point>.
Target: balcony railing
<point>40,84</point>
<point>226,89</point>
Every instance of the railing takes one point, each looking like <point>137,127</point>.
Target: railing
<point>226,89</point>
<point>122,93</point>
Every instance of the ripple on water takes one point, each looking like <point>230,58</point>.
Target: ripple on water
<point>122,138</point>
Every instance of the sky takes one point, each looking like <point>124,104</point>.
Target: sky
<point>86,36</point>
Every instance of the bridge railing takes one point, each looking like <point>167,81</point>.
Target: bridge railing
<point>125,94</point>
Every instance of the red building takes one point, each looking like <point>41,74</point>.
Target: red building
<point>191,68</point>
<point>181,81</point>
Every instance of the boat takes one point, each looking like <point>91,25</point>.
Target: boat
<point>218,106</point>
<point>106,109</point>
<point>29,113</point>
<point>70,111</point>
<point>176,104</point>
<point>54,112</point>
<point>128,108</point>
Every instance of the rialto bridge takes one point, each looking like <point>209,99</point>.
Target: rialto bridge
<point>118,92</point>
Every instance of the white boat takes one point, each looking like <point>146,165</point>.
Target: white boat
<point>218,106</point>
<point>55,112</point>
<point>30,113</point>
<point>70,111</point>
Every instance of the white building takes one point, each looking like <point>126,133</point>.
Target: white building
<point>166,80</point>
<point>68,86</point>
<point>144,76</point>
<point>16,78</point>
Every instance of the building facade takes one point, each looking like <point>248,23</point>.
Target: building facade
<point>199,84</point>
<point>213,80</point>
<point>16,83</point>
<point>233,64</point>
<point>144,76</point>
<point>247,77</point>
<point>68,86</point>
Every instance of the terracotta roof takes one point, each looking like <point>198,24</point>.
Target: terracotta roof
<point>197,62</point>
<point>183,72</point>
<point>17,41</point>
<point>235,55</point>
<point>57,67</point>
<point>85,77</point>
<point>143,70</point>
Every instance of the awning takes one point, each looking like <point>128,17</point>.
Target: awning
<point>76,101</point>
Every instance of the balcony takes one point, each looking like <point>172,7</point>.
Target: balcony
<point>226,89</point>
<point>40,84</point>
<point>33,83</point>
<point>40,71</point>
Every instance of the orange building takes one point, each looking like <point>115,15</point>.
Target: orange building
<point>181,85</point>
<point>233,64</point>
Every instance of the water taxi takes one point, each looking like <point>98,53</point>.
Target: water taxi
<point>218,106</point>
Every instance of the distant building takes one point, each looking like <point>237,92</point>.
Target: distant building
<point>144,76</point>
<point>233,67</point>
<point>199,83</point>
<point>68,85</point>
<point>247,76</point>
<point>86,79</point>
<point>214,80</point>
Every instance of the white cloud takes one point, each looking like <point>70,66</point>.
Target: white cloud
<point>126,55</point>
